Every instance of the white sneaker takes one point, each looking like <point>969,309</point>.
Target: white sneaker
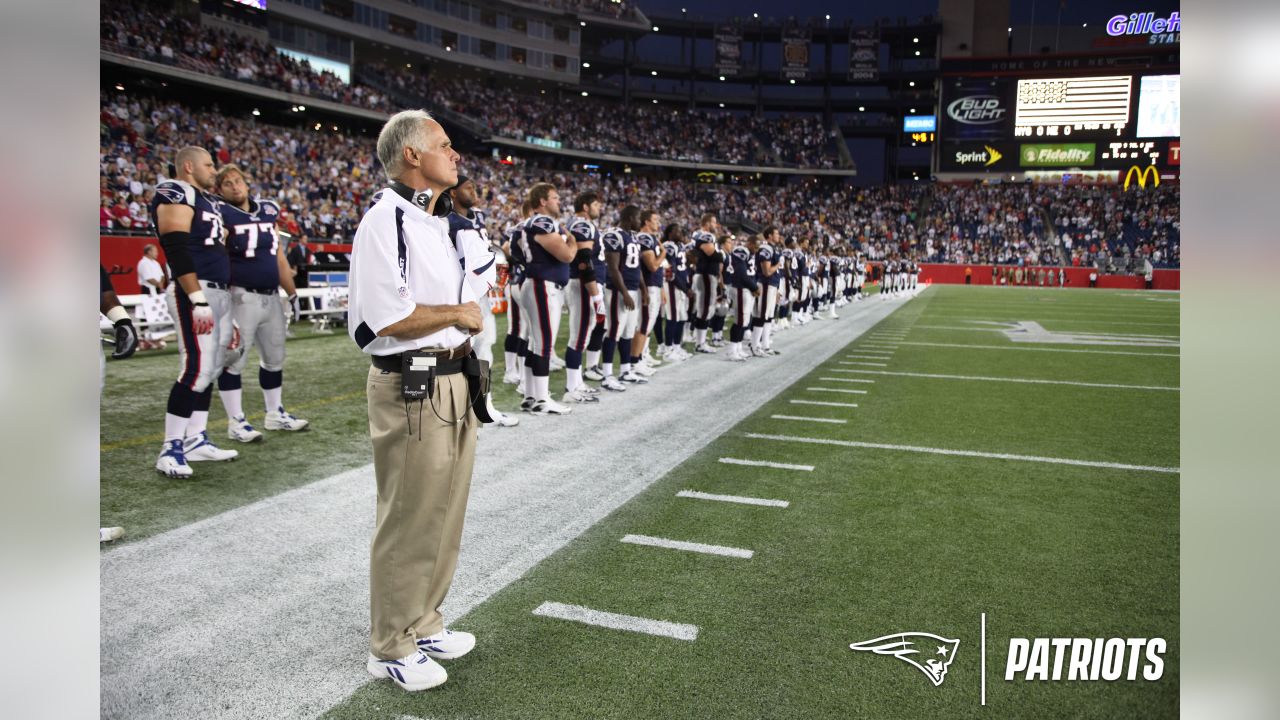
<point>595,374</point>
<point>651,361</point>
<point>110,534</point>
<point>520,388</point>
<point>734,356</point>
<point>549,407</point>
<point>504,420</point>
<point>239,429</point>
<point>643,369</point>
<point>611,383</point>
<point>577,396</point>
<point>448,645</point>
<point>758,351</point>
<point>556,362</point>
<point>173,461</point>
<point>632,377</point>
<point>197,448</point>
<point>281,420</point>
<point>705,348</point>
<point>510,378</point>
<point>589,390</point>
<point>413,673</point>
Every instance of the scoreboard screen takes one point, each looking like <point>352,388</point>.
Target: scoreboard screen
<point>1060,107</point>
<point>1159,106</point>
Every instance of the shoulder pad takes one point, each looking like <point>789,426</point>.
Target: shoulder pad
<point>542,224</point>
<point>175,192</point>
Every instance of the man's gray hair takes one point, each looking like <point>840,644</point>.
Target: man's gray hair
<point>404,128</point>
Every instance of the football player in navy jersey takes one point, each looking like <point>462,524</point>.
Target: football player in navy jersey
<point>801,270</point>
<point>745,288</point>
<point>622,298</point>
<point>767,274</point>
<point>258,271</point>
<point>675,306</point>
<point>706,279</point>
<point>784,284</point>
<point>469,233</point>
<point>652,257</point>
<point>600,267</point>
<point>188,222</point>
<point>516,344</point>
<point>548,251</point>
<point>724,298</point>
<point>585,298</point>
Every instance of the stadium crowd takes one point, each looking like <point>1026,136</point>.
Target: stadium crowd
<point>323,179</point>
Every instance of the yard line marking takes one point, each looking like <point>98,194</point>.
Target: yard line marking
<point>876,356</point>
<point>859,362</point>
<point>1082,334</point>
<point>687,546</point>
<point>822,402</point>
<point>983,654</point>
<point>836,390</point>
<point>1037,349</point>
<point>764,502</point>
<point>829,421</point>
<point>614,621</point>
<point>848,380</point>
<point>966,453</point>
<point>1031,381</point>
<point>765,463</point>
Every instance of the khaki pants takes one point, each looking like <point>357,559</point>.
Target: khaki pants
<point>423,465</point>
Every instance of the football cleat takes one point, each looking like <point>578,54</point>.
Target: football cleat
<point>734,356</point>
<point>550,407</point>
<point>239,429</point>
<point>197,448</point>
<point>173,461</point>
<point>110,534</point>
<point>556,362</point>
<point>413,673</point>
<point>593,373</point>
<point>281,420</point>
<point>611,383</point>
<point>631,377</point>
<point>526,404</point>
<point>510,378</point>
<point>758,351</point>
<point>589,390</point>
<point>447,644</point>
<point>504,420</point>
<point>705,348</point>
<point>577,396</point>
<point>643,369</point>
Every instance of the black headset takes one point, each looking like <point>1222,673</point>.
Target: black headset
<point>422,198</point>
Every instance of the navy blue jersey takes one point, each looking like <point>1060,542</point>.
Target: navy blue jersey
<point>206,246</point>
<point>598,258</point>
<point>583,230</point>
<point>649,243</point>
<point>252,244</point>
<point>706,264</point>
<point>765,254</point>
<point>800,264</point>
<point>515,258</point>
<point>542,265</point>
<point>624,243</point>
<point>678,258</point>
<point>743,263</point>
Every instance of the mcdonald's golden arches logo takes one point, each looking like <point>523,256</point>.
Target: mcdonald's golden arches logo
<point>1144,174</point>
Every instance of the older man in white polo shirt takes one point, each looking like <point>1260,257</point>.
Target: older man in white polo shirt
<point>413,312</point>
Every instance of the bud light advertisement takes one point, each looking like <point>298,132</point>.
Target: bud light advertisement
<point>976,109</point>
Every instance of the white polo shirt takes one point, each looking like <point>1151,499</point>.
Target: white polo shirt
<point>149,269</point>
<point>401,258</point>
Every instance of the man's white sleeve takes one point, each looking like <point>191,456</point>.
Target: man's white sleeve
<point>384,295</point>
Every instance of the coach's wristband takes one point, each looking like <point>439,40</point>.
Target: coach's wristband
<point>197,298</point>
<point>116,314</point>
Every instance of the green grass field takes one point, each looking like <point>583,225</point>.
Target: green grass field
<point>1074,536</point>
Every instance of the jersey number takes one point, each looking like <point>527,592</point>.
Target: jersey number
<point>633,255</point>
<point>215,227</point>
<point>251,232</point>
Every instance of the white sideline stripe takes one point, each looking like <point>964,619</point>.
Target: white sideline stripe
<point>822,402</point>
<point>614,621</point>
<point>870,356</point>
<point>766,463</point>
<point>1073,332</point>
<point>829,421</point>
<point>966,453</point>
<point>687,546</point>
<point>849,380</point>
<point>862,362</point>
<point>882,347</point>
<point>1032,381</point>
<point>836,390</point>
<point>765,502</point>
<point>1037,349</point>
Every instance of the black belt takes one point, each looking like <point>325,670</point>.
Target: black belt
<point>262,291</point>
<point>215,285</point>
<point>448,362</point>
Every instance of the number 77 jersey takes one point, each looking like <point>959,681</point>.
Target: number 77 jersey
<point>253,243</point>
<point>205,245</point>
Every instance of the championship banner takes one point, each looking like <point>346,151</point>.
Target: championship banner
<point>864,55</point>
<point>795,53</point>
<point>728,50</point>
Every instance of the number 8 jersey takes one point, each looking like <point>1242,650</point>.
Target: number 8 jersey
<point>205,245</point>
<point>252,243</point>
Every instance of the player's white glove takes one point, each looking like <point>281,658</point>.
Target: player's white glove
<point>597,303</point>
<point>201,318</point>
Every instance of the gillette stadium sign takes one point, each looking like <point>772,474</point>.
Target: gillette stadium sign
<point>1163,31</point>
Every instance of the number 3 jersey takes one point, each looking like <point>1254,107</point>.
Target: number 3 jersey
<point>208,253</point>
<point>252,244</point>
